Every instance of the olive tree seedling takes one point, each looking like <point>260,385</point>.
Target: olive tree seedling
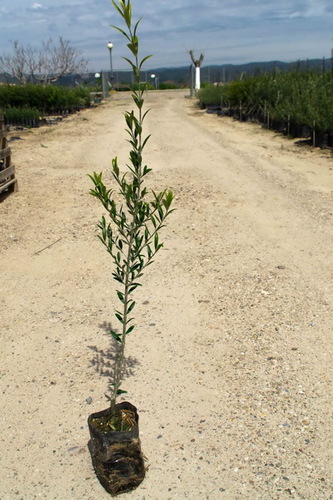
<point>130,230</point>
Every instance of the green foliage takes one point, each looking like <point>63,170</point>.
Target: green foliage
<point>303,98</point>
<point>168,86</point>
<point>130,233</point>
<point>47,99</point>
<point>21,116</point>
<point>140,85</point>
<point>211,95</point>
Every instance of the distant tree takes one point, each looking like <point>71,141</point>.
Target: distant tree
<point>197,63</point>
<point>17,64</point>
<point>44,65</point>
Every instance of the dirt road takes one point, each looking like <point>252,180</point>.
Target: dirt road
<point>232,356</point>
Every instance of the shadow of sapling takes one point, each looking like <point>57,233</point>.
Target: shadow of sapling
<point>104,361</point>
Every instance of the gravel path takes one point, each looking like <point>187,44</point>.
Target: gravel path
<point>231,362</point>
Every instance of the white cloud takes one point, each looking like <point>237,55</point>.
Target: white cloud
<point>231,30</point>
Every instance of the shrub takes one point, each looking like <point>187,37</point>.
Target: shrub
<point>47,99</point>
<point>211,95</point>
<point>22,116</point>
<point>302,98</point>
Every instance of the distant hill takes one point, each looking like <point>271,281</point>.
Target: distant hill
<point>224,72</point>
<point>228,72</point>
<point>6,78</point>
<point>181,76</point>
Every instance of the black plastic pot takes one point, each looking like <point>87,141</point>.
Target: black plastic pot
<point>116,456</point>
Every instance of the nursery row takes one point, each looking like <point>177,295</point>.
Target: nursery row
<point>296,103</point>
<point>26,104</point>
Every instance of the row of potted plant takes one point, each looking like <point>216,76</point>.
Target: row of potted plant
<point>302,98</point>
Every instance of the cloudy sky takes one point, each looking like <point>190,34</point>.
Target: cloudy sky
<point>225,31</point>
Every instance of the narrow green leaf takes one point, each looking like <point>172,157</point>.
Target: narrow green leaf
<point>144,143</point>
<point>116,336</point>
<point>156,241</point>
<point>136,26</point>
<point>160,212</point>
<point>133,46</point>
<point>145,114</point>
<point>130,329</point>
<point>118,278</point>
<point>168,198</point>
<point>133,287</point>
<point>128,14</point>
<point>131,307</point>
<point>119,316</point>
<point>144,60</point>
<point>120,391</point>
<point>118,9</point>
<point>115,167</point>
<point>121,31</point>
<point>139,102</point>
<point>135,70</point>
<point>153,221</point>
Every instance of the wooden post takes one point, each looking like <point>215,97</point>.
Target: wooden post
<point>8,180</point>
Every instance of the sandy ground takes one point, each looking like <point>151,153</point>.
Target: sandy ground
<point>232,356</point>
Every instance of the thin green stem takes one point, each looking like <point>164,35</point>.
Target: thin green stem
<point>136,179</point>
<point>120,361</point>
<point>131,237</point>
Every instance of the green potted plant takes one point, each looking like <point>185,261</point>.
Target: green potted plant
<point>130,234</point>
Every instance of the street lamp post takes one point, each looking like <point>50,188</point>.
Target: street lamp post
<point>156,80</point>
<point>153,78</point>
<point>110,47</point>
<point>97,78</point>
